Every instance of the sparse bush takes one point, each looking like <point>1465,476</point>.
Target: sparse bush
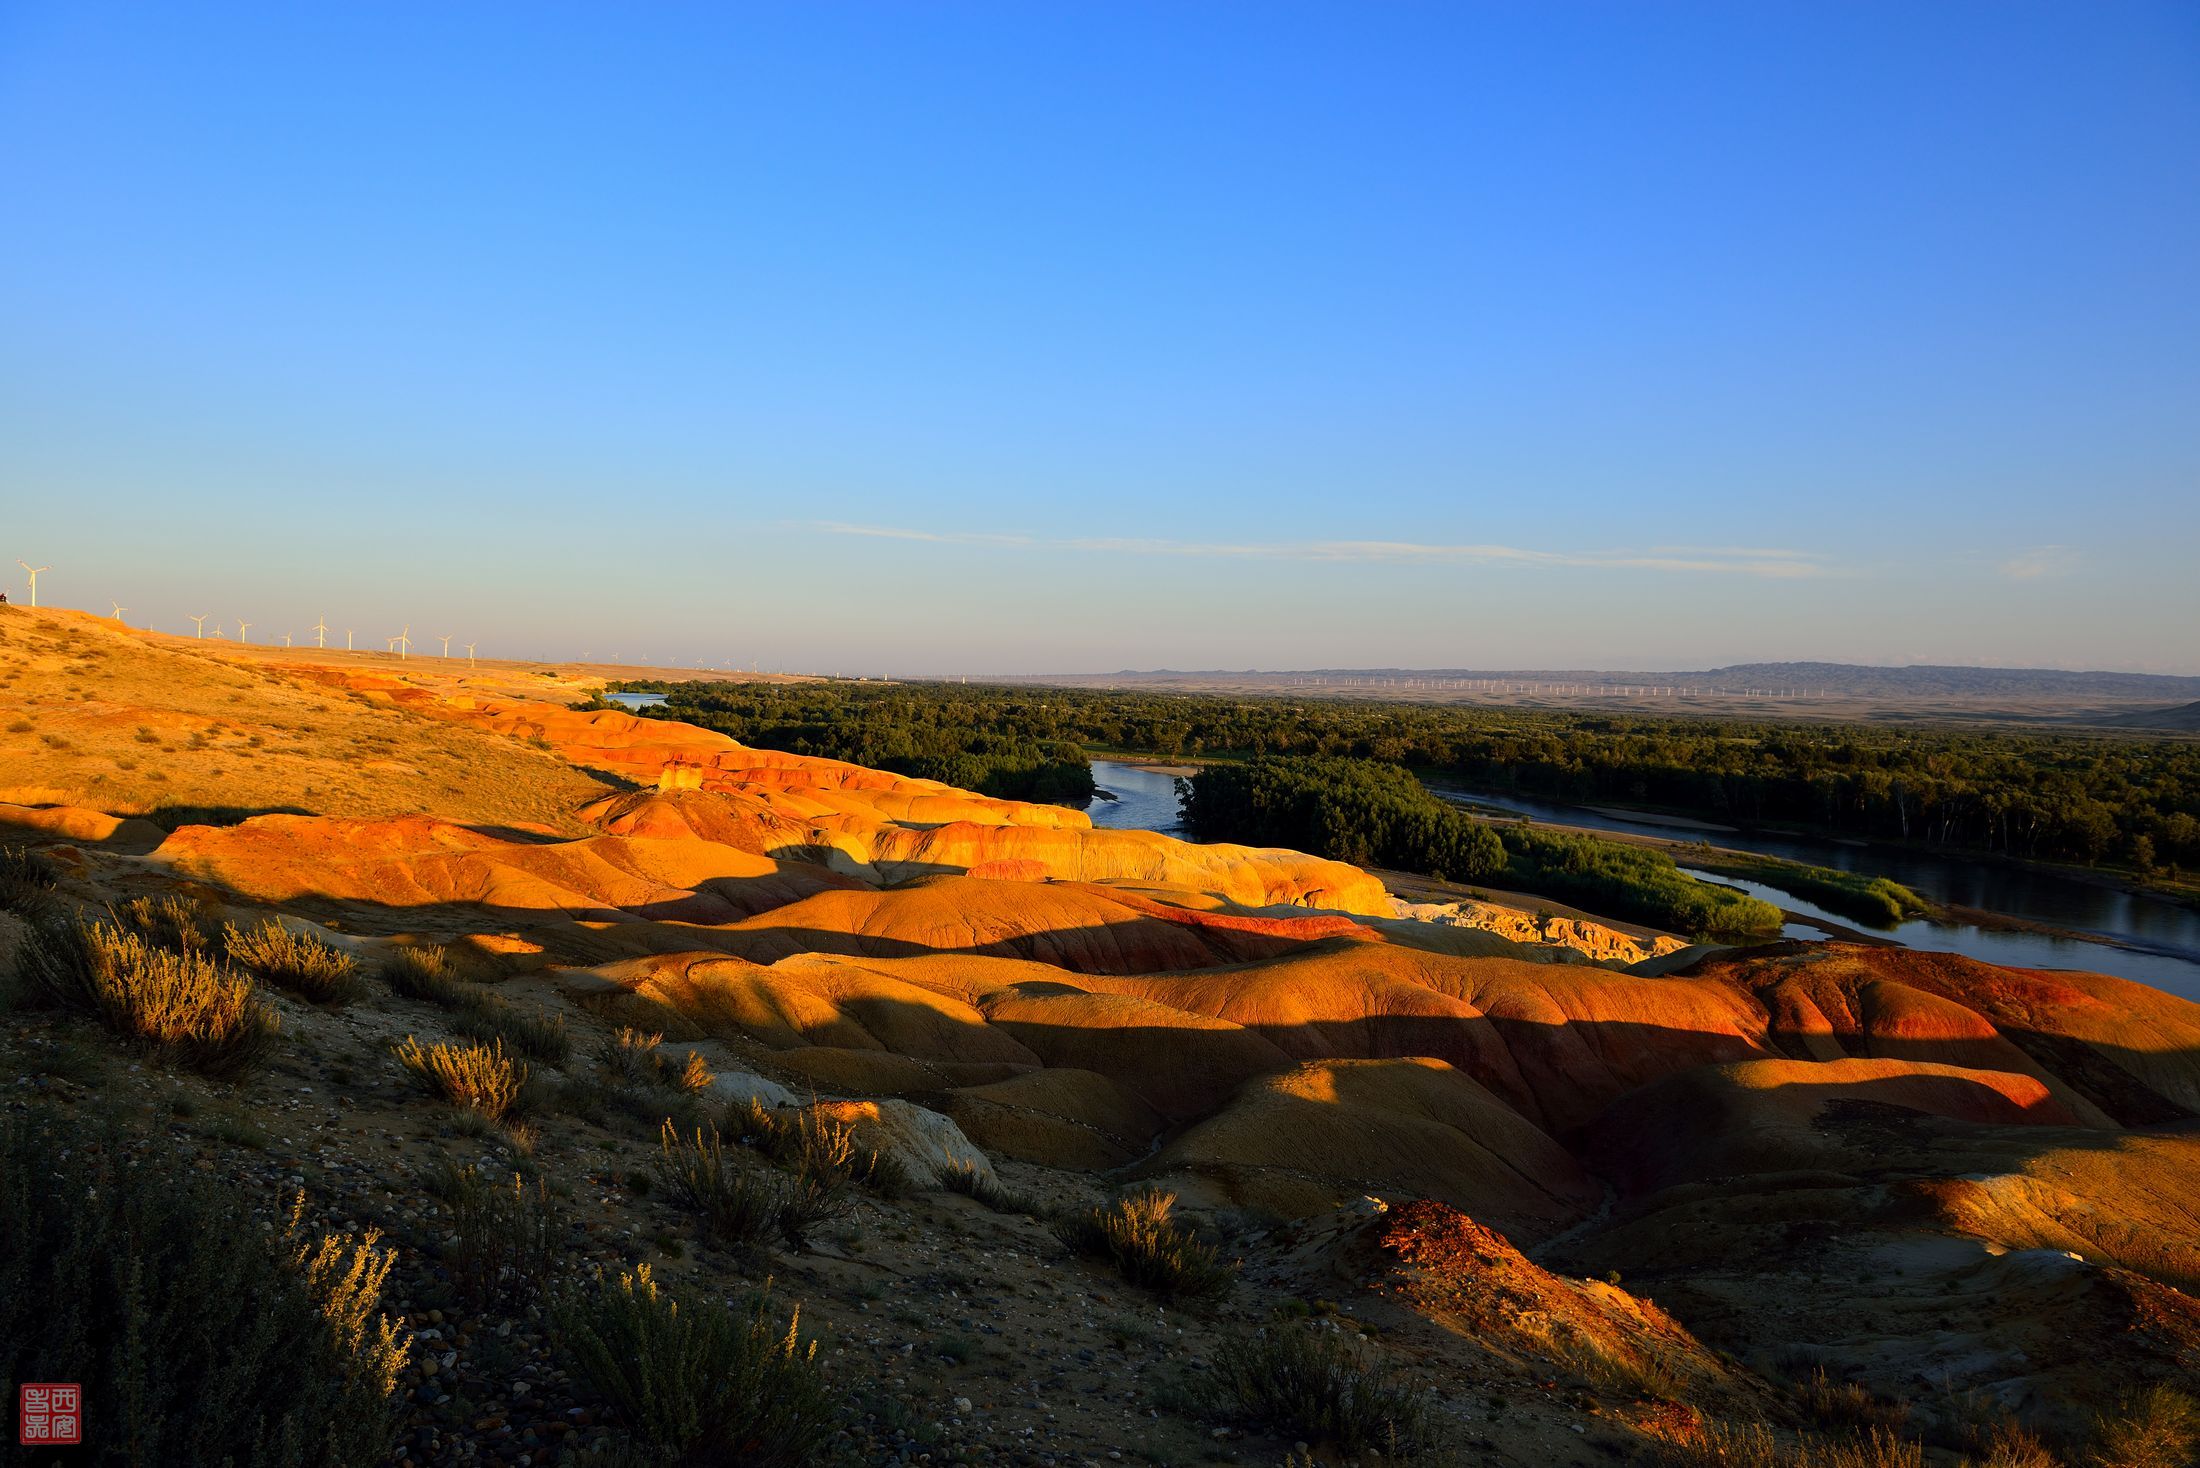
<point>973,1181</point>
<point>630,1056</point>
<point>698,1381</point>
<point>2013,1447</point>
<point>186,1008</point>
<point>810,1143</point>
<point>170,922</point>
<point>480,1078</point>
<point>198,1339</point>
<point>1847,1406</point>
<point>26,881</point>
<point>692,1075</point>
<point>1318,1384</point>
<point>738,1202</point>
<point>298,962</point>
<point>816,1194</point>
<point>1753,1445</point>
<point>507,1237</point>
<point>2155,1428</point>
<point>1147,1247</point>
<point>537,1034</point>
<point>424,973</point>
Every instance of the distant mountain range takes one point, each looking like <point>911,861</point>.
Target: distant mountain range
<point>1850,680</point>
<point>2185,718</point>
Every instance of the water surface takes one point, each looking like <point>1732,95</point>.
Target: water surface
<point>2164,938</point>
<point>1144,800</point>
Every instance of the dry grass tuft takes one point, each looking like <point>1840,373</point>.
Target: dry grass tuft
<point>699,1382</point>
<point>168,922</point>
<point>972,1181</point>
<point>2155,1428</point>
<point>1136,1234</point>
<point>738,1201</point>
<point>296,962</point>
<point>537,1034</point>
<point>1321,1386</point>
<point>479,1078</point>
<point>186,1008</point>
<point>507,1238</point>
<point>691,1076</point>
<point>1754,1445</point>
<point>424,973</point>
<point>26,881</point>
<point>191,1329</point>
<point>811,1144</point>
<point>1847,1406</point>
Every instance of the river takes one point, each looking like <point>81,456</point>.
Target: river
<point>1144,800</point>
<point>2164,938</point>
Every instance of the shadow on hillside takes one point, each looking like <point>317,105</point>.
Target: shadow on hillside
<point>170,817</point>
<point>1560,1074</point>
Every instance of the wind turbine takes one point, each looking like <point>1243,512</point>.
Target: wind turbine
<point>347,639</point>
<point>34,570</point>
<point>201,620</point>
<point>286,639</point>
<point>446,644</point>
<point>218,631</point>
<point>242,628</point>
<point>403,642</point>
<point>119,610</point>
<point>320,633</point>
<point>470,653</point>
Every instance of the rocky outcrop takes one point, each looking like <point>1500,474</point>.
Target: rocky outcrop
<point>1579,935</point>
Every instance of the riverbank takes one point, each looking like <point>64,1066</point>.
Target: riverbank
<point>2022,915</point>
<point>2181,891</point>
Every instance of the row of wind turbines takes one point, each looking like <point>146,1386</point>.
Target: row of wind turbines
<point>401,644</point>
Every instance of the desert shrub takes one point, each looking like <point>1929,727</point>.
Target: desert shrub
<point>1753,1445</point>
<point>1147,1247</point>
<point>298,962</point>
<point>507,1237</point>
<point>26,880</point>
<point>973,1181</point>
<point>2013,1447</point>
<point>480,1078</point>
<point>816,1193</point>
<point>809,1143</point>
<point>629,1056</point>
<point>738,1202</point>
<point>1319,1385</point>
<point>537,1033</point>
<point>198,1337</point>
<point>424,973</point>
<point>185,1008</point>
<point>1847,1406</point>
<point>692,1075</point>
<point>698,1381</point>
<point>170,922</point>
<point>2155,1428</point>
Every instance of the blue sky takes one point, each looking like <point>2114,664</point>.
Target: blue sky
<point>951,338</point>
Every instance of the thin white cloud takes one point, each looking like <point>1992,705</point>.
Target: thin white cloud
<point>2040,563</point>
<point>1772,564</point>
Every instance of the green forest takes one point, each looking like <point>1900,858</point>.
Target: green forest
<point>1380,815</point>
<point>984,745</point>
<point>2076,798</point>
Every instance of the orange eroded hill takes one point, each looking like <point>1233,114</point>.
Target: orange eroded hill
<point>1252,1028</point>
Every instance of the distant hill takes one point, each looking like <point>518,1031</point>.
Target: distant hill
<point>1847,680</point>
<point>2185,719</point>
<point>1952,682</point>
